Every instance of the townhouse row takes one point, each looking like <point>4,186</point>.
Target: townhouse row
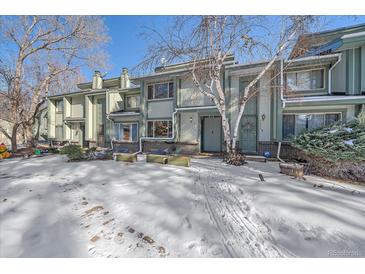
<point>320,85</point>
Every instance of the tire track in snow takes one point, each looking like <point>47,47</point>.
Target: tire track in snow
<point>243,233</point>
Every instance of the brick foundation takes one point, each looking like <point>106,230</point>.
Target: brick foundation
<point>286,151</point>
<point>178,148</point>
<point>131,147</point>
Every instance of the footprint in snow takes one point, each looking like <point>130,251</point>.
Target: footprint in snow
<point>92,250</point>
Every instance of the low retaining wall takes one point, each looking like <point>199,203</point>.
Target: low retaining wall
<point>178,148</point>
<point>121,146</point>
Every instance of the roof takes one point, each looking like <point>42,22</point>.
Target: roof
<point>323,42</point>
<point>179,68</point>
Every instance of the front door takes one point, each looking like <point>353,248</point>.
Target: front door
<point>248,126</point>
<point>212,134</point>
<point>248,134</point>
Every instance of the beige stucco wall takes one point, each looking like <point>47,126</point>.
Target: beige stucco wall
<point>189,127</point>
<point>51,119</point>
<point>88,118</point>
<point>160,109</point>
<point>188,96</point>
<point>115,101</point>
<point>77,106</point>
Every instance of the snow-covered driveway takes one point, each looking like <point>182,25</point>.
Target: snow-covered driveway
<point>51,208</point>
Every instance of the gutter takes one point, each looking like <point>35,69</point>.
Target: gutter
<point>330,74</point>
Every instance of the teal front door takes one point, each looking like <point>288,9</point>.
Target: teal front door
<point>248,125</point>
<point>248,128</point>
<point>212,134</point>
<point>248,134</point>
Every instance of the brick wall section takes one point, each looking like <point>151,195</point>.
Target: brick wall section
<point>179,148</point>
<point>286,152</point>
<point>132,147</point>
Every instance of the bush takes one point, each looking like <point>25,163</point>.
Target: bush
<point>73,152</point>
<point>53,150</point>
<point>235,158</point>
<point>339,142</point>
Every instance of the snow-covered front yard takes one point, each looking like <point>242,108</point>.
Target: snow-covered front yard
<point>51,208</point>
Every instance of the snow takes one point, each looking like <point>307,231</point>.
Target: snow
<point>51,208</point>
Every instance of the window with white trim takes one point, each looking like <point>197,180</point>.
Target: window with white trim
<point>159,129</point>
<point>126,132</point>
<point>294,124</point>
<point>305,80</point>
<point>160,91</point>
<point>132,101</point>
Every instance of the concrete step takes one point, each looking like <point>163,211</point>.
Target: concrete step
<point>256,158</point>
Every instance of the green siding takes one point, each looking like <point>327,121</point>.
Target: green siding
<point>363,68</point>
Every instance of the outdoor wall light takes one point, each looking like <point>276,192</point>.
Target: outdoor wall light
<point>191,119</point>
<point>263,116</point>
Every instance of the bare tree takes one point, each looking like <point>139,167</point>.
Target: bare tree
<point>37,52</point>
<point>207,41</point>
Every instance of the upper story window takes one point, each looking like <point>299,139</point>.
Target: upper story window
<point>161,91</point>
<point>59,106</point>
<point>305,80</point>
<point>132,101</point>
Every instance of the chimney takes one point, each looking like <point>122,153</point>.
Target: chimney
<point>97,80</point>
<point>124,79</point>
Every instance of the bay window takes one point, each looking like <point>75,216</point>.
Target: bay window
<point>159,129</point>
<point>305,80</point>
<point>126,132</point>
<point>160,91</point>
<point>294,124</point>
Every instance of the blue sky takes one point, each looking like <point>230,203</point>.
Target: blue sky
<point>127,48</point>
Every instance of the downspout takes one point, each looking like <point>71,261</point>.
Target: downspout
<point>111,139</point>
<point>330,74</point>
<point>282,100</point>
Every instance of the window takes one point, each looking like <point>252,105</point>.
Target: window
<point>294,124</point>
<point>305,80</point>
<point>126,132</point>
<point>59,106</point>
<point>132,101</point>
<point>160,91</point>
<point>159,129</point>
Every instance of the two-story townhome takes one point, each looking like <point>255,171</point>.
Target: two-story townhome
<point>102,110</point>
<point>322,82</point>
